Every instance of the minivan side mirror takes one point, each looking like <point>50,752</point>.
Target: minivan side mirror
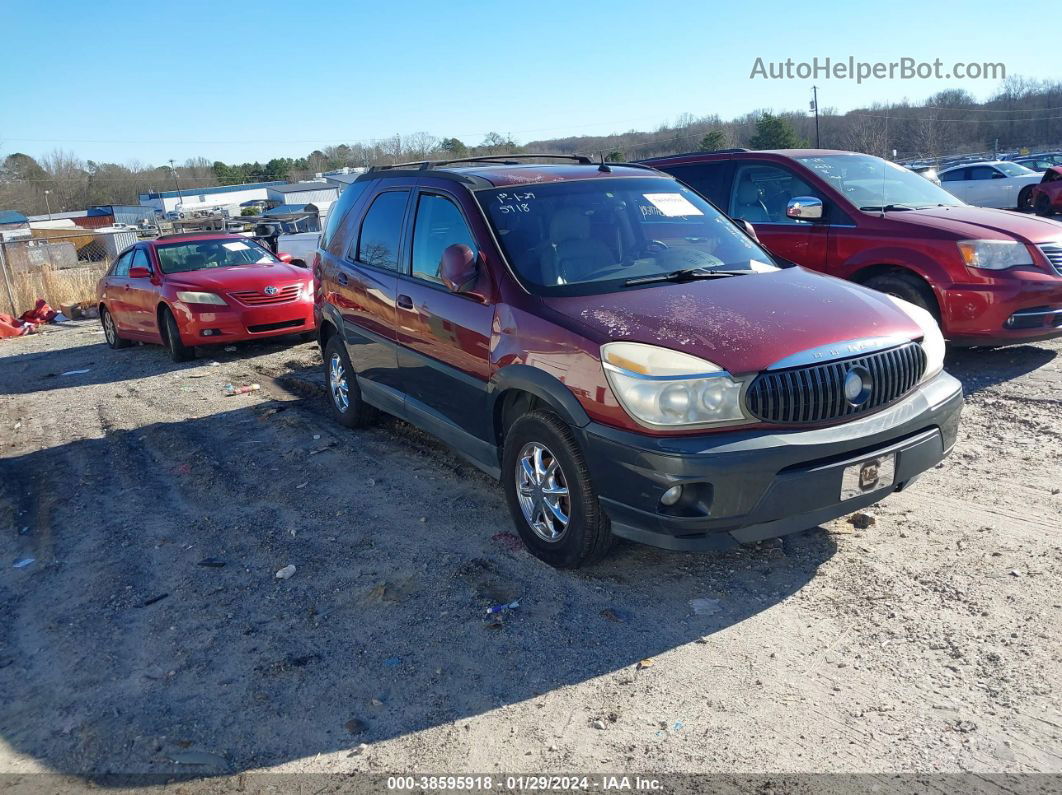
<point>139,272</point>
<point>805,208</point>
<point>459,268</point>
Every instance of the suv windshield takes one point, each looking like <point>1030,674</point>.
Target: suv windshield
<point>595,235</point>
<point>871,183</point>
<point>199,254</point>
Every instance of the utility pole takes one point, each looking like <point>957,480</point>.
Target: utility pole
<point>176,182</point>
<point>815,110</point>
<point>48,204</point>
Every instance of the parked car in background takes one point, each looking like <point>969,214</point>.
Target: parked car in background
<point>625,358</point>
<point>995,183</point>
<point>990,277</point>
<point>202,289</point>
<point>1047,196</point>
<point>301,246</point>
<point>1040,162</point>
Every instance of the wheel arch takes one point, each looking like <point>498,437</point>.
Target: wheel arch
<point>868,272</point>
<point>518,388</point>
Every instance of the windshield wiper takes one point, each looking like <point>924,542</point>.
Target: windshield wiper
<point>877,208</point>
<point>684,275</point>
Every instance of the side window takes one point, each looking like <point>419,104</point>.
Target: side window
<point>121,267</point>
<point>982,172</point>
<point>762,192</point>
<point>140,259</point>
<point>381,230</point>
<point>439,224</point>
<point>958,175</point>
<point>706,178</point>
<point>338,211</point>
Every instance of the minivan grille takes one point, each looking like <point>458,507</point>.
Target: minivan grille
<point>1053,252</point>
<point>257,298</point>
<point>816,393</point>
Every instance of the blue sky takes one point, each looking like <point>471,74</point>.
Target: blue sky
<point>238,81</point>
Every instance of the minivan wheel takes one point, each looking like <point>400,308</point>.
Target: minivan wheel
<point>1043,205</point>
<point>179,352</point>
<point>550,496</point>
<point>909,288</point>
<point>343,393</point>
<point>110,331</point>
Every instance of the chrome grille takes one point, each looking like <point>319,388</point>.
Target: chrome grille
<point>815,393</point>
<point>1053,252</point>
<point>257,298</point>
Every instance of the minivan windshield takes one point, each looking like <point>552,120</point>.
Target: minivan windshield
<point>197,255</point>
<point>871,183</point>
<point>589,236</point>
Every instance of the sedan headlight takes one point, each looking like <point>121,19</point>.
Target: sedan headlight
<point>662,388</point>
<point>932,339</point>
<point>200,298</point>
<point>994,255</point>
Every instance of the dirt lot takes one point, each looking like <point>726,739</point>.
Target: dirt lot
<point>150,629</point>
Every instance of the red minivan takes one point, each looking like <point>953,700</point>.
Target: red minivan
<point>990,277</point>
<point>626,359</point>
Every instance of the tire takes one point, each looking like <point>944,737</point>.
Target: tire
<point>179,352</point>
<point>344,396</point>
<point>586,537</point>
<point>1043,206</point>
<point>909,288</point>
<point>110,331</point>
<point>1025,199</point>
<point>308,336</point>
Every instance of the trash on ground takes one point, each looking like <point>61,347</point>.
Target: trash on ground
<point>610,614</point>
<point>646,663</point>
<point>230,349</point>
<point>598,724</point>
<point>231,390</point>
<point>78,372</point>
<point>501,608</point>
<point>322,448</point>
<point>705,607</point>
<point>861,521</point>
<point>198,758</point>
<point>153,599</point>
<point>362,748</point>
<point>286,572</point>
<point>355,726</point>
<point>212,563</point>
<point>22,563</point>
<point>40,314</point>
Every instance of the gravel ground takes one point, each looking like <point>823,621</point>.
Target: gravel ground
<point>150,634</point>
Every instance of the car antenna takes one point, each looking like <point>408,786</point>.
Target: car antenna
<point>603,167</point>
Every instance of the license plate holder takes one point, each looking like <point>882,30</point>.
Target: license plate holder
<point>870,475</point>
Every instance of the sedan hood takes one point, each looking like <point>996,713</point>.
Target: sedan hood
<point>742,323</point>
<point>240,277</point>
<point>971,223</point>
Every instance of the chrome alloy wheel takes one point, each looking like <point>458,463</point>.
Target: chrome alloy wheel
<point>108,328</point>
<point>337,383</point>
<point>542,491</point>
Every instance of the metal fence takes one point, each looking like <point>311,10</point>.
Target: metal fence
<point>60,266</point>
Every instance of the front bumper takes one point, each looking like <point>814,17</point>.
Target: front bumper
<point>748,485</point>
<point>204,324</point>
<point>1006,312</point>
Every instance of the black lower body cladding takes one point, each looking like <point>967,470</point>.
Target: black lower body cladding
<point>747,485</point>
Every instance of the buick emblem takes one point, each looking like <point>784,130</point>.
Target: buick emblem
<point>857,385</point>
<point>271,290</point>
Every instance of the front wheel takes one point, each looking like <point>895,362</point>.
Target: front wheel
<point>179,352</point>
<point>550,495</point>
<point>110,331</point>
<point>347,405</point>
<point>908,287</point>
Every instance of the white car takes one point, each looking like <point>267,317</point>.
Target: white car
<point>992,183</point>
<point>301,245</point>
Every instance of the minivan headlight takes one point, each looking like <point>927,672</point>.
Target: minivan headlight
<point>663,388</point>
<point>932,339</point>
<point>200,298</point>
<point>994,255</point>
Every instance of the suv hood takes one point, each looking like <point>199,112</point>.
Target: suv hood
<point>971,223</point>
<point>240,277</point>
<point>743,323</point>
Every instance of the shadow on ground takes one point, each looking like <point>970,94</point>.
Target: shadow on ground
<point>979,368</point>
<point>151,627</point>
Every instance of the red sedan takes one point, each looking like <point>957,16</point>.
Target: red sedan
<point>202,289</point>
<point>1047,196</point>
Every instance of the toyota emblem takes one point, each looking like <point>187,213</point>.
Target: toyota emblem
<point>271,291</point>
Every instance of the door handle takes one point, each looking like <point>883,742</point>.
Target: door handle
<point>405,302</point>
<point>342,279</point>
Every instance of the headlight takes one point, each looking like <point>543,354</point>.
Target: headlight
<point>659,387</point>
<point>932,339</point>
<point>201,298</point>
<point>994,255</point>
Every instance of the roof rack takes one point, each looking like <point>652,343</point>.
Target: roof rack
<point>729,151</point>
<point>505,160</point>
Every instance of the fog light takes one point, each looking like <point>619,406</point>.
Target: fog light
<point>671,496</point>
<point>210,332</point>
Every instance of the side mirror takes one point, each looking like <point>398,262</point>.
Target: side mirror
<point>459,268</point>
<point>749,229</point>
<point>285,257</point>
<point>139,273</point>
<point>806,208</point>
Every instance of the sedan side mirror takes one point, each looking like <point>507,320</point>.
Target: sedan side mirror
<point>805,208</point>
<point>283,256</point>
<point>139,272</point>
<point>459,268</point>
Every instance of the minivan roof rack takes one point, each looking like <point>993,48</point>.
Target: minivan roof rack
<point>507,160</point>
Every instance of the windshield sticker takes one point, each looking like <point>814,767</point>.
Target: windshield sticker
<point>672,205</point>
<point>515,202</point>
<point>236,246</point>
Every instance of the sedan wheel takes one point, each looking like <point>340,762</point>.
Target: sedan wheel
<point>542,490</point>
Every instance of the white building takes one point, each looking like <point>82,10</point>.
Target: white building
<point>227,197</point>
<point>298,194</point>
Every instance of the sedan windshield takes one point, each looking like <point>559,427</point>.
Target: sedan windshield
<point>871,183</point>
<point>593,236</point>
<point>198,255</point>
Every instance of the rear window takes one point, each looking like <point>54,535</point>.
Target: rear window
<point>381,231</point>
<point>338,211</point>
<point>196,255</point>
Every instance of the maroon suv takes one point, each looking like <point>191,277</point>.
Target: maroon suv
<point>990,277</point>
<point>621,355</point>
